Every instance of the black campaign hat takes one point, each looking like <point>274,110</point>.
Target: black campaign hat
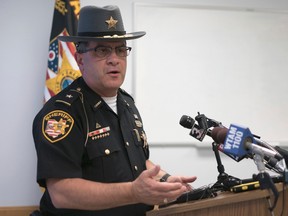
<point>101,24</point>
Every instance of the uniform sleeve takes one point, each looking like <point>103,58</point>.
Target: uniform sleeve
<point>59,143</point>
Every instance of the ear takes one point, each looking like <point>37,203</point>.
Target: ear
<point>78,58</point>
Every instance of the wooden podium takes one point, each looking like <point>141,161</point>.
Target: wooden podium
<point>255,202</point>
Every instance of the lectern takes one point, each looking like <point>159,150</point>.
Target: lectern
<point>255,202</point>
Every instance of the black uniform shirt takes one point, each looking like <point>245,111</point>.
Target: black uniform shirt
<point>77,135</point>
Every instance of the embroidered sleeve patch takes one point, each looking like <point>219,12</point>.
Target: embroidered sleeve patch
<point>57,125</point>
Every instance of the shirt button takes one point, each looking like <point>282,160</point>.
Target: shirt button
<point>127,143</point>
<point>107,151</point>
<point>136,168</point>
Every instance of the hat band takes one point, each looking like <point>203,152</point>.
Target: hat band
<point>100,34</point>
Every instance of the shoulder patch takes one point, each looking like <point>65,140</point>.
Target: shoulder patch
<point>56,125</point>
<point>69,97</point>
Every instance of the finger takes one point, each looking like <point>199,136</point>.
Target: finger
<point>168,186</point>
<point>188,179</point>
<point>174,194</point>
<point>170,190</point>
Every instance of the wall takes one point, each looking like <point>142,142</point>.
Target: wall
<point>223,62</point>
<point>25,30</point>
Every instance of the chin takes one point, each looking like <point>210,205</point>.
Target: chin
<point>115,84</point>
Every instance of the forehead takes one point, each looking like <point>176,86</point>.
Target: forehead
<point>106,43</point>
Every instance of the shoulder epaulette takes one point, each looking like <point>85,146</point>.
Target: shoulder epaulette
<point>126,93</point>
<point>69,97</point>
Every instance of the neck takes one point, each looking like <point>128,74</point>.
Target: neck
<point>112,102</point>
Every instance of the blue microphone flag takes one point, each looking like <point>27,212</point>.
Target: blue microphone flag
<point>236,139</point>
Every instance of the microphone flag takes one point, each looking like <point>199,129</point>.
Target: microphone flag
<point>236,138</point>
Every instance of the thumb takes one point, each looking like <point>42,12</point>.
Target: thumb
<point>153,171</point>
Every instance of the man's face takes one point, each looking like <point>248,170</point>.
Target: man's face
<point>106,74</point>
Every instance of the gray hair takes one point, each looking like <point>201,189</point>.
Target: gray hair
<point>81,46</point>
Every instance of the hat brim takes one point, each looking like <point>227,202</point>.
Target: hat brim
<point>128,36</point>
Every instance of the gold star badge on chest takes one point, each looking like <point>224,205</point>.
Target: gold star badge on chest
<point>111,23</point>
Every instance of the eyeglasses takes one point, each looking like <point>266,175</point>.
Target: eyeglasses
<point>105,51</point>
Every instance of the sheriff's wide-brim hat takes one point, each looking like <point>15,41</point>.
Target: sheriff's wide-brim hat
<point>101,24</point>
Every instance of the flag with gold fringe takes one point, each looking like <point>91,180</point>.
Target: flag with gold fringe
<point>62,68</point>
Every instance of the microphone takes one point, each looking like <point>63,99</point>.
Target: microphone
<point>196,131</point>
<point>199,133</point>
<point>187,121</point>
<point>217,135</point>
<point>239,141</point>
<point>273,164</point>
<point>283,152</point>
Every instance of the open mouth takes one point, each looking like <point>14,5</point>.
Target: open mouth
<point>113,72</point>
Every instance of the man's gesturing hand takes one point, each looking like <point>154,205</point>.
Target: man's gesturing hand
<point>147,190</point>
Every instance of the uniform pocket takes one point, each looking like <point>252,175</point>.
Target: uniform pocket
<point>101,148</point>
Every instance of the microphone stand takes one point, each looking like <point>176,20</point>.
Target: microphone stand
<point>224,181</point>
<point>264,178</point>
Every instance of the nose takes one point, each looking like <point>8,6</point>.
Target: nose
<point>113,58</point>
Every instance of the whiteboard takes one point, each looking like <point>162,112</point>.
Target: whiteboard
<point>230,64</point>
